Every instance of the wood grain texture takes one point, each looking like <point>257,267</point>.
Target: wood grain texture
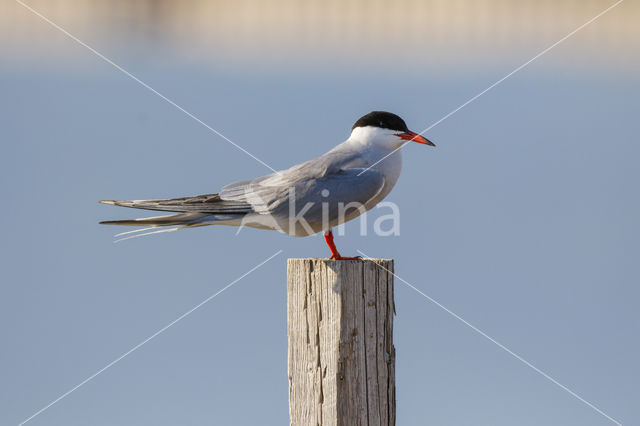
<point>341,353</point>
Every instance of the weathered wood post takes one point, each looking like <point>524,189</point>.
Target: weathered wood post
<point>341,354</point>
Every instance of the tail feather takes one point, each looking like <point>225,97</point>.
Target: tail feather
<point>181,219</point>
<point>208,203</point>
<point>135,231</point>
<point>144,234</point>
<point>200,210</point>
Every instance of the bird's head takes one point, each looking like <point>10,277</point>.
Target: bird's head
<point>386,130</point>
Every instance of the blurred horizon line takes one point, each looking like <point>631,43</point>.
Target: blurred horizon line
<point>442,34</point>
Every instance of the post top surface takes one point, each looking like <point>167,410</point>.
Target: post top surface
<point>325,259</point>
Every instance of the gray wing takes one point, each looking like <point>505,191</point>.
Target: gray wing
<point>272,193</point>
<point>344,186</point>
<point>208,203</point>
<point>253,192</point>
<point>336,170</point>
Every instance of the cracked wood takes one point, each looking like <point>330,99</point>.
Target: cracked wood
<point>341,354</point>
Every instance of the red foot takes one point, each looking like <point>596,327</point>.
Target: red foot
<point>328,237</point>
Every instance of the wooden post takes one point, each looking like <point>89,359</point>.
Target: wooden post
<point>341,353</point>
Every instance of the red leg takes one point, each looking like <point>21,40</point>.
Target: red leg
<point>328,237</point>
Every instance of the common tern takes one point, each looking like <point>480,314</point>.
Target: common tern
<point>308,198</point>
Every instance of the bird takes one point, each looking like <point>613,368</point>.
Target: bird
<point>308,198</point>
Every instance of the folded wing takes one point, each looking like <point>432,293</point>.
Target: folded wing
<point>267,194</point>
<point>208,203</point>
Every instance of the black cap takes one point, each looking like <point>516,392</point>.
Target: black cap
<point>382,119</point>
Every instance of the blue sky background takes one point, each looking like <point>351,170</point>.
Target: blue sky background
<point>523,219</point>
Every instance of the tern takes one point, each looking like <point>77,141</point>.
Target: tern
<point>308,198</point>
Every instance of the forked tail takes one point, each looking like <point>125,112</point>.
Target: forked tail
<point>200,210</point>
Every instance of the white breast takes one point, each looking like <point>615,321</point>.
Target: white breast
<point>390,168</point>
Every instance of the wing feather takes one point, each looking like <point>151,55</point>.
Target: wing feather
<point>208,203</point>
<point>267,193</point>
